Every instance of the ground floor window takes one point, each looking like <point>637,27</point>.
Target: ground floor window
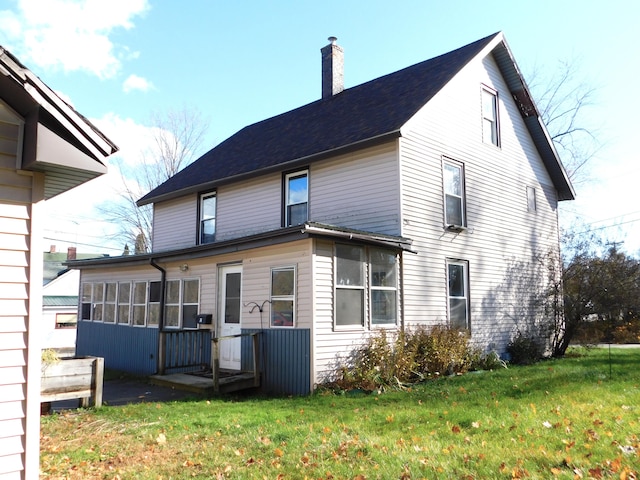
<point>366,286</point>
<point>138,303</point>
<point>458,293</point>
<point>66,320</point>
<point>283,294</point>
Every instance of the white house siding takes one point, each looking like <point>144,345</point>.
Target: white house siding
<point>175,223</point>
<point>21,194</point>
<point>502,236</point>
<point>249,207</point>
<point>336,197</point>
<point>331,347</point>
<point>358,190</point>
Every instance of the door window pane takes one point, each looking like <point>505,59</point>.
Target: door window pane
<point>232,298</point>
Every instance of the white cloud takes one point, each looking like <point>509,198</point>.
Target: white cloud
<point>71,35</point>
<point>134,82</point>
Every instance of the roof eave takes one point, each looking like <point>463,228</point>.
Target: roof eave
<point>201,187</point>
<point>532,118</point>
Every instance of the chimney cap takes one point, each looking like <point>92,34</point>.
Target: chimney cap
<point>332,39</point>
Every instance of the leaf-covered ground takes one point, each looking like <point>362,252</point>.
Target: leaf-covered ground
<point>574,418</point>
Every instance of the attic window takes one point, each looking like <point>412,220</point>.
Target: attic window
<point>490,128</point>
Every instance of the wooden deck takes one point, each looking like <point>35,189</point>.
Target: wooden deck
<point>203,384</point>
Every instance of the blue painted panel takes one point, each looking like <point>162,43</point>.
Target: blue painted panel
<point>124,348</point>
<point>187,350</point>
<point>285,360</point>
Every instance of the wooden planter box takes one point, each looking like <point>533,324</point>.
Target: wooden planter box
<point>73,378</point>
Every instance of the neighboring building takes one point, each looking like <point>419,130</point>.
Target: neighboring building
<point>46,148</point>
<point>60,301</point>
<point>425,196</point>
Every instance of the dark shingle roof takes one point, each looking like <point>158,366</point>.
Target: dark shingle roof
<point>366,112</point>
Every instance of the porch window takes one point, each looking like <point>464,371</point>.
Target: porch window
<point>349,285</point>
<point>283,294</point>
<point>384,286</point>
<point>296,197</point>
<point>139,310</point>
<point>172,304</point>
<point>458,292</point>
<point>207,227</point>
<point>110,302</point>
<point>124,302</point>
<point>154,303</point>
<point>190,303</point>
<point>490,129</point>
<point>86,302</point>
<point>453,180</point>
<point>97,300</point>
<point>66,320</point>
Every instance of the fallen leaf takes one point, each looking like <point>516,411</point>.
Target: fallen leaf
<point>161,439</point>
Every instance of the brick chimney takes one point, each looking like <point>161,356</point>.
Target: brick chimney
<point>332,69</point>
<point>71,253</point>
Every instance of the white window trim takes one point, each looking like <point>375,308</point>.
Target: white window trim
<point>367,288</point>
<point>291,298</point>
<point>120,285</point>
<point>532,199</point>
<point>145,304</point>
<point>466,284</point>
<point>494,122</point>
<point>463,198</point>
<point>202,198</point>
<point>183,303</point>
<point>287,177</point>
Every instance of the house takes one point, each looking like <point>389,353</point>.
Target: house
<point>60,301</point>
<point>46,148</point>
<point>425,196</point>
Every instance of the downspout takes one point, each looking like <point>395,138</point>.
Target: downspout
<point>161,334</point>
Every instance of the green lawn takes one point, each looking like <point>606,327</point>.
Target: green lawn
<point>578,417</point>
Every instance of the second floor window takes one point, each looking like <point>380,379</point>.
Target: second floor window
<point>207,227</point>
<point>296,198</point>
<point>453,174</point>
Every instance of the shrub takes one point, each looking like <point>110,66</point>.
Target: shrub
<point>628,332</point>
<point>525,349</point>
<point>409,357</point>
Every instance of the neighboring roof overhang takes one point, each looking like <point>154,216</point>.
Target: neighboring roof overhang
<point>57,140</point>
<point>532,119</point>
<point>273,237</point>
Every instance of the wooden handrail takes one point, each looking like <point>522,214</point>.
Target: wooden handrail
<point>215,361</point>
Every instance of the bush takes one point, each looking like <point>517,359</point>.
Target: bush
<point>628,332</point>
<point>409,357</point>
<point>525,349</point>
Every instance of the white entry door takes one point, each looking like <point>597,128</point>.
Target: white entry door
<point>229,316</point>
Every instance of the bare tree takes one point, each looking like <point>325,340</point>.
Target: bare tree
<point>176,139</point>
<point>563,99</point>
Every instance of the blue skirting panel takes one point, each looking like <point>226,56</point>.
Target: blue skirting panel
<point>124,348</point>
<point>284,359</point>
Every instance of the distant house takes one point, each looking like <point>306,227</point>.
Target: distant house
<point>46,148</point>
<point>422,197</point>
<point>60,301</point>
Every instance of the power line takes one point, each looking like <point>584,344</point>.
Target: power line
<point>83,244</point>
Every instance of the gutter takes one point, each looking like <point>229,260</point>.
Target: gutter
<point>163,283</point>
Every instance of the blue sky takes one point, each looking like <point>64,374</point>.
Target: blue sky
<point>240,62</point>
